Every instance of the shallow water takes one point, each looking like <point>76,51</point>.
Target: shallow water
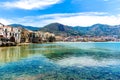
<point>61,61</point>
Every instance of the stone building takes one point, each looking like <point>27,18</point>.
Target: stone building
<point>38,36</point>
<point>7,32</point>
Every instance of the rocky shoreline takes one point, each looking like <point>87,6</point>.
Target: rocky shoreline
<point>9,44</point>
<point>5,44</point>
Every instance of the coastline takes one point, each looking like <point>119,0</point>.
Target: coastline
<point>26,44</point>
<point>23,44</point>
<point>88,42</point>
<point>14,44</point>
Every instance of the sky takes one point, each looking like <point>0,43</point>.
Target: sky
<point>39,13</point>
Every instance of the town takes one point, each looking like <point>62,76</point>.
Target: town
<point>11,36</point>
<point>89,38</point>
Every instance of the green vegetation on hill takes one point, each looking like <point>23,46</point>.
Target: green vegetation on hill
<point>94,30</point>
<point>64,30</point>
<point>99,30</point>
<point>59,29</point>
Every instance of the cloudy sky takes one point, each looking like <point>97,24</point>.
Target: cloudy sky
<point>69,12</point>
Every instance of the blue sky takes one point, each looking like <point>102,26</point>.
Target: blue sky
<point>69,12</point>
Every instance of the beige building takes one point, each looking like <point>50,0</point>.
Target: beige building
<point>39,36</point>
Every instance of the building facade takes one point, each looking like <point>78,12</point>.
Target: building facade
<point>8,32</point>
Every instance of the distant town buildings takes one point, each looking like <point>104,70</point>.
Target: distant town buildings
<point>88,38</point>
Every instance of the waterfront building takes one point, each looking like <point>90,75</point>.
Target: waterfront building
<point>38,36</point>
<point>1,30</point>
<point>8,32</point>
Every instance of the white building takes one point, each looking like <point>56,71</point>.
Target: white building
<point>7,32</point>
<point>1,30</point>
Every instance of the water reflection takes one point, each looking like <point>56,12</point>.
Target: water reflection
<point>10,54</point>
<point>58,51</point>
<point>61,61</point>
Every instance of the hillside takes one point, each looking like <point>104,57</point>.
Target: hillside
<point>64,30</point>
<point>99,30</point>
<point>25,27</point>
<point>59,29</point>
<point>94,30</point>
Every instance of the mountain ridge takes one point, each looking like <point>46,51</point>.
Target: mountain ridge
<point>59,29</point>
<point>94,30</point>
<point>25,27</point>
<point>65,30</point>
<point>100,30</point>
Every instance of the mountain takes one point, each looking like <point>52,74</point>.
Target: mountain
<point>99,30</point>
<point>59,29</point>
<point>94,30</point>
<point>64,30</point>
<point>25,27</point>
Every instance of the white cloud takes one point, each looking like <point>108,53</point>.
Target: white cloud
<point>72,19</point>
<point>30,4</point>
<point>4,21</point>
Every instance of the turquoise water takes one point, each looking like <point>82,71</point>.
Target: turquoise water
<point>61,61</point>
